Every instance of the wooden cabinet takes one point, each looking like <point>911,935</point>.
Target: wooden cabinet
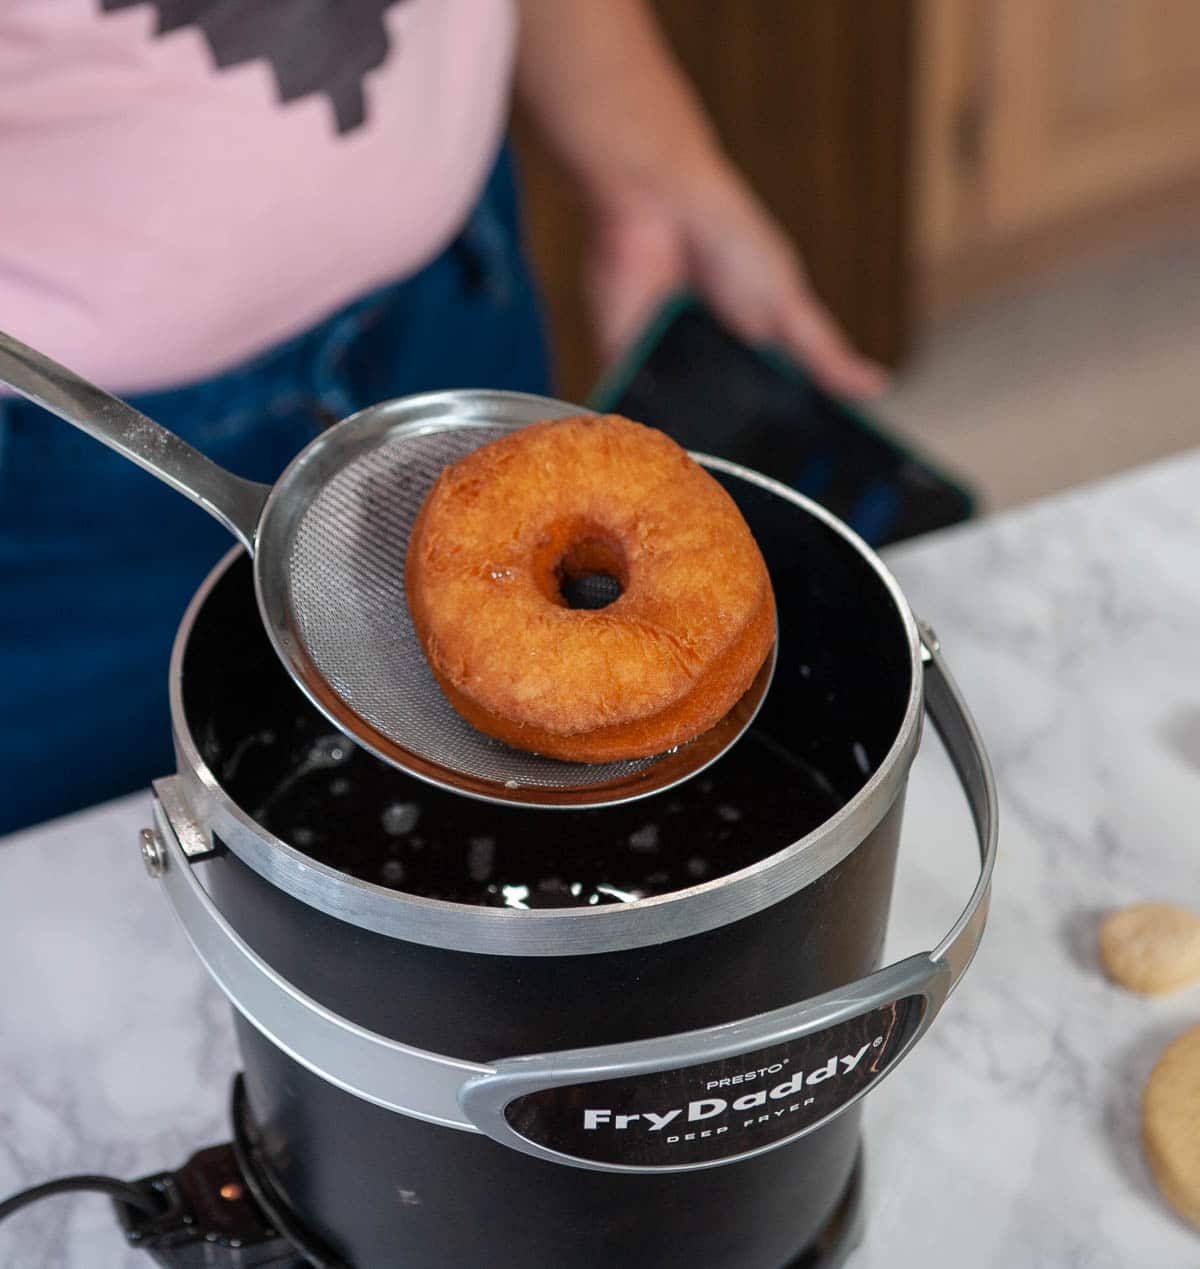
<point>923,151</point>
<point>1044,126</point>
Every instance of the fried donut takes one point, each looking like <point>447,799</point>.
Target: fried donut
<point>504,527</point>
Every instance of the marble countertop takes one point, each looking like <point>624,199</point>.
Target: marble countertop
<point>1010,1137</point>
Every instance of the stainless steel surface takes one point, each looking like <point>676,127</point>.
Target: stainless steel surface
<point>235,502</point>
<point>568,931</point>
<point>954,724</point>
<point>473,1096</point>
<point>152,852</point>
<point>329,542</point>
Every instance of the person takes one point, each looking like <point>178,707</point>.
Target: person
<point>252,219</point>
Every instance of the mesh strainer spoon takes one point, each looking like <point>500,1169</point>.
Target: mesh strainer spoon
<point>328,542</point>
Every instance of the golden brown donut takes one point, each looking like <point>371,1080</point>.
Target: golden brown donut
<point>502,529</point>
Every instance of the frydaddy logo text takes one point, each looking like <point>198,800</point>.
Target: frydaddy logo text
<point>707,1108</point>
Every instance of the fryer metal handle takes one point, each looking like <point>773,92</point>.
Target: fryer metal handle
<point>371,1066</point>
<point>521,1102</point>
<point>234,502</point>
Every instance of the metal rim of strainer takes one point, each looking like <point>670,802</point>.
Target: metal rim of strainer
<point>413,418</point>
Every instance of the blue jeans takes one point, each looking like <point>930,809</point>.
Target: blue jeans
<point>98,559</point>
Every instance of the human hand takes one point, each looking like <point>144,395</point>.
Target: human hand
<point>712,235</point>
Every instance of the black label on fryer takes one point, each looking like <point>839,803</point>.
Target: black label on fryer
<point>717,1110</point>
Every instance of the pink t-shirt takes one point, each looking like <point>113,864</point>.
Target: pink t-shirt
<point>175,200</point>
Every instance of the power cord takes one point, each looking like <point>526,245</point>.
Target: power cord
<point>176,1210</point>
<point>71,1184</point>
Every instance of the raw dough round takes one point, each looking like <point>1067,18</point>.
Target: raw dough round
<point>1171,1124</point>
<point>1151,947</point>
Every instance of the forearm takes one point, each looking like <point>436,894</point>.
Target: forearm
<point>668,209</point>
<point>607,95</point>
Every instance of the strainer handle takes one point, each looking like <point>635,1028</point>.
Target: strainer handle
<point>235,502</point>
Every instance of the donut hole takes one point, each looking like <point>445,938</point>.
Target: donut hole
<point>590,590</point>
<point>582,567</point>
<point>591,573</point>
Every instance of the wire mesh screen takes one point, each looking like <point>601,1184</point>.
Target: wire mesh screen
<point>346,588</point>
